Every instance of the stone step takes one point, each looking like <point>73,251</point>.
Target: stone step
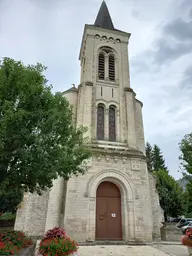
<point>106,242</point>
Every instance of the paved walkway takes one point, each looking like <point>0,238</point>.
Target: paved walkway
<point>120,250</point>
<point>126,250</point>
<point>176,250</point>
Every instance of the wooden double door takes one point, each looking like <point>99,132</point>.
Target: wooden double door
<point>108,212</point>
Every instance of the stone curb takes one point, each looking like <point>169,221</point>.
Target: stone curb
<point>167,243</point>
<point>130,244</point>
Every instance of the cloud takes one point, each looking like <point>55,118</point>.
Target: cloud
<point>179,29</point>
<point>175,41</point>
<point>186,82</point>
<point>185,4</point>
<point>166,51</point>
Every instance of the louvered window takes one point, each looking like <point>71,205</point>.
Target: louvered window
<point>101,66</point>
<point>111,68</point>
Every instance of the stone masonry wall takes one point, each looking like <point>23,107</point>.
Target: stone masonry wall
<point>157,212</point>
<point>79,204</point>
<point>169,232</point>
<point>31,217</point>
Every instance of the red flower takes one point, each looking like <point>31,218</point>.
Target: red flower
<point>2,245</point>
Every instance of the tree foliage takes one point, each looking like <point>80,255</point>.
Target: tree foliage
<point>154,158</point>
<point>157,159</point>
<point>186,152</point>
<point>189,197</point>
<point>10,199</point>
<point>38,141</point>
<point>171,195</point>
<point>149,157</point>
<point>186,157</point>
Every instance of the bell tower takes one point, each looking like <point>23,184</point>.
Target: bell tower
<point>106,103</point>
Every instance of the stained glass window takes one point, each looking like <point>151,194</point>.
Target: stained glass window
<point>112,123</point>
<point>100,122</point>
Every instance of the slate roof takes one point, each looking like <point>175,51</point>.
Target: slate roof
<point>103,19</point>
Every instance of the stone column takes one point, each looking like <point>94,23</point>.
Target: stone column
<point>106,67</point>
<point>130,109</point>
<point>139,128</point>
<point>91,227</point>
<point>87,109</point>
<point>106,124</point>
<point>117,126</point>
<point>131,220</point>
<point>55,204</point>
<point>116,70</point>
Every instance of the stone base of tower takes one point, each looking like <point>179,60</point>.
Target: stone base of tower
<point>140,212</point>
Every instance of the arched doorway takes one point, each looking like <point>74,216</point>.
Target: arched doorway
<point>108,212</point>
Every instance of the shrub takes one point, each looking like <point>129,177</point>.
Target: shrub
<point>187,238</point>
<point>8,248</point>
<point>8,216</point>
<point>13,241</point>
<point>56,242</point>
<point>55,232</point>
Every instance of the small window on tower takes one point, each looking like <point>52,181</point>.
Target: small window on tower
<point>111,68</point>
<point>112,123</point>
<point>101,66</point>
<point>100,122</point>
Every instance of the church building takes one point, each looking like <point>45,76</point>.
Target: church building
<point>116,199</point>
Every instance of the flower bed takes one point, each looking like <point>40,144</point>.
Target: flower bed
<point>11,242</point>
<point>187,238</point>
<point>56,243</point>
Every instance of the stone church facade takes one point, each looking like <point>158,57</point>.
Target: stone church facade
<point>116,199</point>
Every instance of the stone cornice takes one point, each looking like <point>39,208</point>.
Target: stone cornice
<point>126,152</point>
<point>128,89</point>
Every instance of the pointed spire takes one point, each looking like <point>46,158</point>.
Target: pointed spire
<point>103,19</point>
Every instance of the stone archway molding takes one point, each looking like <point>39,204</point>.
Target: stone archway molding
<point>113,175</point>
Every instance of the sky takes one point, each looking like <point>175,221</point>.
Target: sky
<point>160,52</point>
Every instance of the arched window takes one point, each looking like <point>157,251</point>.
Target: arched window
<point>100,122</point>
<point>112,123</point>
<point>111,68</point>
<point>101,66</point>
<point>106,57</point>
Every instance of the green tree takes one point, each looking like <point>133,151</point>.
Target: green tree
<point>186,157</point>
<point>148,150</point>
<point>38,141</point>
<point>186,152</point>
<point>171,195</point>
<point>189,194</point>
<point>158,162</point>
<point>10,200</point>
